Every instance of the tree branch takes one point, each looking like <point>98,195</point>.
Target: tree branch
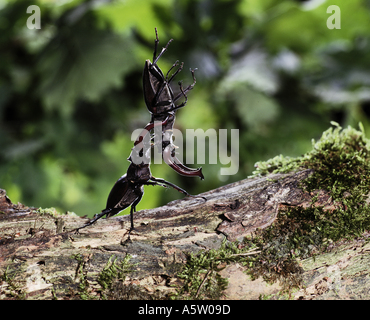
<point>41,255</point>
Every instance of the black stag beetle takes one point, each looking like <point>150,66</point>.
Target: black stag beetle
<point>160,101</point>
<point>129,189</point>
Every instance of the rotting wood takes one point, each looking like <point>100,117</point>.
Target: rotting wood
<point>38,250</point>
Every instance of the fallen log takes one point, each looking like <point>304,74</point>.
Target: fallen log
<point>41,259</point>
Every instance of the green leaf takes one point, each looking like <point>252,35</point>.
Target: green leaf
<point>82,63</point>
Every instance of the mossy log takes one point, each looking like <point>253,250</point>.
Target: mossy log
<point>41,259</point>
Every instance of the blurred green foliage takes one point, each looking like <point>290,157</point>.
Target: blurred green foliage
<point>71,94</point>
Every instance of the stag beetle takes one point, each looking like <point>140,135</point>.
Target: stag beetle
<point>129,189</point>
<point>160,101</point>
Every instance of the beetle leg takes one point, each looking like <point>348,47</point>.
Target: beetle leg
<point>162,181</point>
<point>166,84</point>
<point>173,66</point>
<point>139,194</point>
<point>151,183</point>
<point>184,91</point>
<point>96,218</point>
<point>175,73</point>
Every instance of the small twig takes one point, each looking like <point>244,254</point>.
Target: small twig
<point>201,285</point>
<point>249,253</point>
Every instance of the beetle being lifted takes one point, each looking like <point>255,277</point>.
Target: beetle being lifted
<point>160,101</point>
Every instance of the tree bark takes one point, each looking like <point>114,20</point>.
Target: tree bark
<point>38,254</point>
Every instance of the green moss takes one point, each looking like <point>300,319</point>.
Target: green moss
<point>114,271</point>
<point>340,160</point>
<point>341,164</point>
<point>200,276</point>
<point>52,212</point>
<point>84,290</point>
<point>14,288</point>
<point>48,211</point>
<point>336,150</point>
<point>100,286</point>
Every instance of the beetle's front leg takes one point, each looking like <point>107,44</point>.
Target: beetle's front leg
<point>162,181</point>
